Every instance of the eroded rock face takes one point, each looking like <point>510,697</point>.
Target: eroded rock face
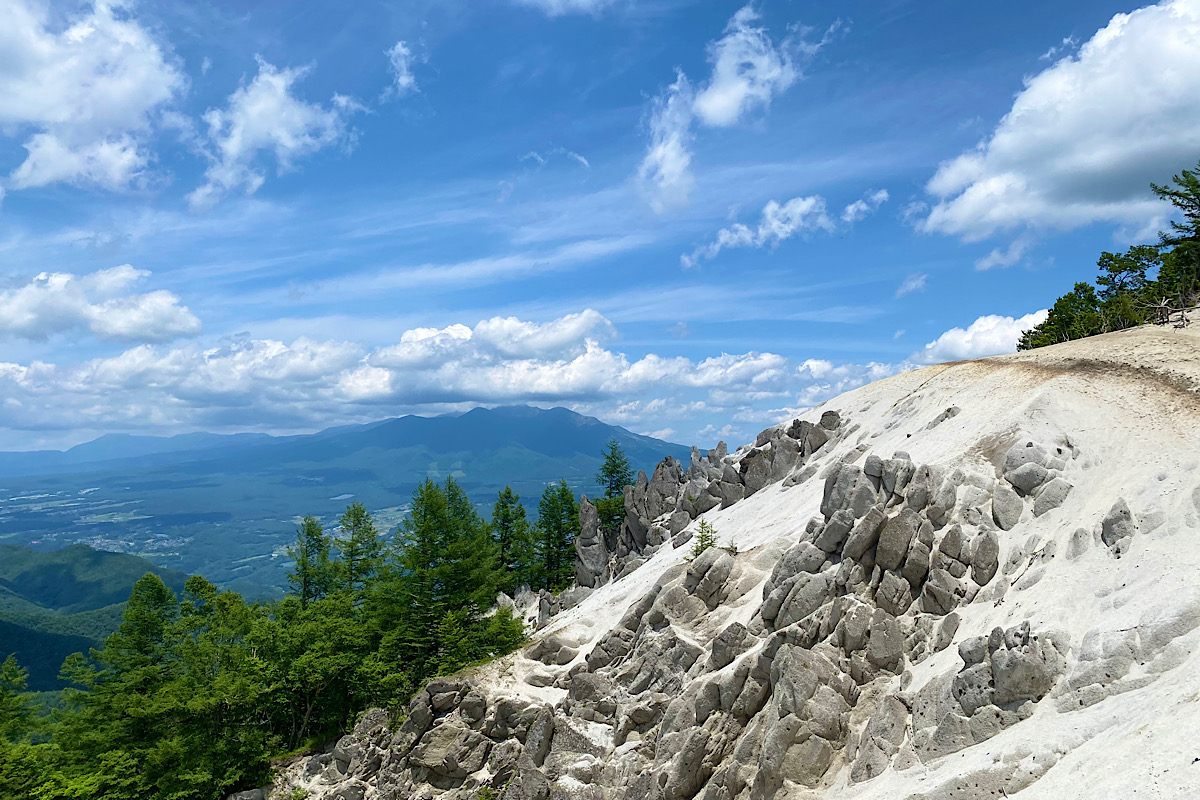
<point>741,677</point>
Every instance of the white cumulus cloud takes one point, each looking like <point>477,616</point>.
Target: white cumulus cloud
<point>86,95</point>
<point>264,116</point>
<point>1085,136</point>
<point>1006,256</point>
<point>666,170</point>
<point>274,384</point>
<point>747,71</point>
<point>991,335</point>
<point>101,302</point>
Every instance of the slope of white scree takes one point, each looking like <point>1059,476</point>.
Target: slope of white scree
<point>1127,407</point>
<point>1063,661</point>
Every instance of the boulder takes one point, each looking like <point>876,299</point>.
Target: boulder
<point>897,533</point>
<point>1028,477</point>
<point>706,575</point>
<point>728,645</point>
<point>985,557</point>
<point>847,487</point>
<point>1051,496</point>
<point>755,470</point>
<point>802,557</point>
<point>885,646</point>
<point>807,594</point>
<point>916,564</point>
<point>881,739</point>
<point>866,533</point>
<point>894,594</point>
<point>1118,527</point>
<point>834,533</point>
<point>1006,507</point>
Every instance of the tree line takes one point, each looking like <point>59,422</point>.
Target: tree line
<point>1141,285</point>
<point>193,696</point>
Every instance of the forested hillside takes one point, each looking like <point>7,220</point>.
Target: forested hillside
<point>197,690</point>
<point>65,601</point>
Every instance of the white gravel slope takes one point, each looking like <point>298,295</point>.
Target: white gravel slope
<point>1127,406</point>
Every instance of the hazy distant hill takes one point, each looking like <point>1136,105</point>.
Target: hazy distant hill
<point>226,506</point>
<point>66,601</point>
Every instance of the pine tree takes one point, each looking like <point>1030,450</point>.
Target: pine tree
<point>615,473</point>
<point>312,577</point>
<point>446,562</point>
<point>15,710</point>
<point>469,567</point>
<point>510,530</point>
<point>558,522</point>
<point>706,537</point>
<point>21,770</point>
<point>360,549</point>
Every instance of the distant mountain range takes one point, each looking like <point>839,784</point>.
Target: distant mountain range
<point>62,602</point>
<point>226,506</point>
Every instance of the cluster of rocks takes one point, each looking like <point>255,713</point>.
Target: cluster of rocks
<point>658,509</point>
<point>739,675</point>
<point>1002,678</point>
<point>665,706</point>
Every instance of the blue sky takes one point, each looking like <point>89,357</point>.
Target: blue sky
<point>688,218</point>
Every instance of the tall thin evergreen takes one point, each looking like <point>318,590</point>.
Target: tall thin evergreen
<point>558,521</point>
<point>615,473</point>
<point>311,577</point>
<point>510,530</point>
<point>360,549</point>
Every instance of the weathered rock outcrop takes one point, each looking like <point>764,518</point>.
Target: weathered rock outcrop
<point>946,627</point>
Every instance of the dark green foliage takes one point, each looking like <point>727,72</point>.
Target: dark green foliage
<point>1133,286</point>
<point>558,521</point>
<point>312,577</point>
<point>191,697</point>
<point>57,603</point>
<point>514,542</point>
<point>359,549</point>
<point>445,574</point>
<point>615,473</point>
<point>75,578</point>
<point>1185,196</point>
<point>19,769</point>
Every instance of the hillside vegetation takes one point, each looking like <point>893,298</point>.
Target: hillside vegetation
<point>1147,283</point>
<point>195,693</point>
<point>65,601</point>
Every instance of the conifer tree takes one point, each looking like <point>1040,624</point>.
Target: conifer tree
<point>469,567</point>
<point>558,522</point>
<point>510,530</point>
<point>312,577</point>
<point>360,549</point>
<point>615,473</point>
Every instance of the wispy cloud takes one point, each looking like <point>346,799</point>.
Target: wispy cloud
<point>913,283</point>
<point>749,69</point>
